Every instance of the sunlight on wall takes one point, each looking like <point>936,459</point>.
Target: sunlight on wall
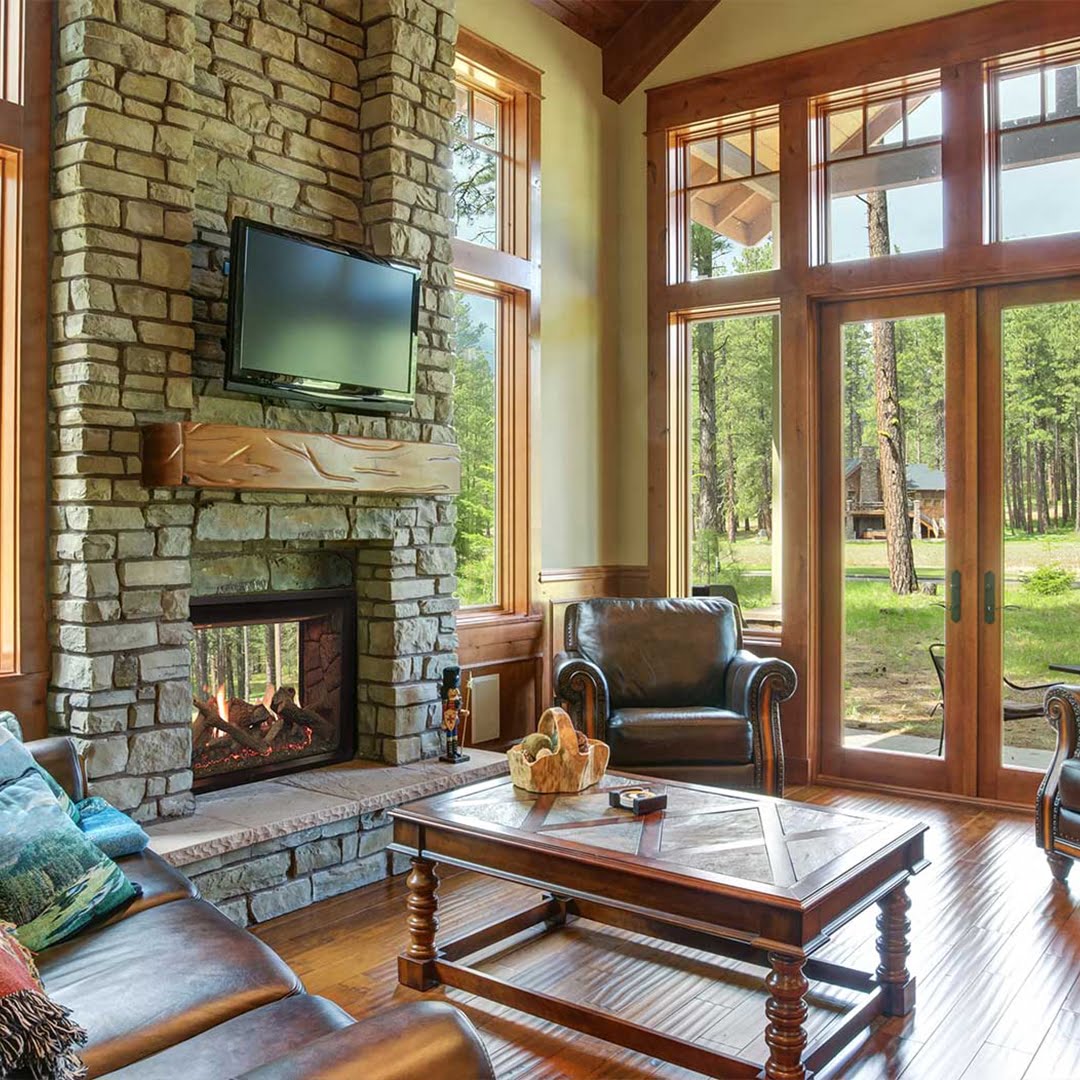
<point>579,303</point>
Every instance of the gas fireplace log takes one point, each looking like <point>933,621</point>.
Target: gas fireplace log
<point>244,714</point>
<point>244,738</point>
<point>284,704</point>
<point>203,724</point>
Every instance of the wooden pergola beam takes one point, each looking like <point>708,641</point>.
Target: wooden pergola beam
<point>645,39</point>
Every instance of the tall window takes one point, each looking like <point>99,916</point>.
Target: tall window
<point>881,154</point>
<point>496,247</point>
<point>24,158</point>
<point>1035,113</point>
<point>731,196</point>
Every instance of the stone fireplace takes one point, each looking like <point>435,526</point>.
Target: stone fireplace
<point>173,118</point>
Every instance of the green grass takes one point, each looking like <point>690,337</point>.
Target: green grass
<point>890,683</point>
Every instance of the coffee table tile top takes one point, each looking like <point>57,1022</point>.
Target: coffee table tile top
<point>754,838</point>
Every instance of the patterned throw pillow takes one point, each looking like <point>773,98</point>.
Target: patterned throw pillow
<point>37,1036</point>
<point>111,829</point>
<point>15,759</point>
<point>54,881</point>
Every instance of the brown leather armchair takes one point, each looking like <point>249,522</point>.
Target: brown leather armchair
<point>1057,809</point>
<point>667,685</point>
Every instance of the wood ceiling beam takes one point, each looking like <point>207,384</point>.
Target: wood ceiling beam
<point>645,39</point>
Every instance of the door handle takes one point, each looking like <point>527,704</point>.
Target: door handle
<point>954,596</point>
<point>989,597</point>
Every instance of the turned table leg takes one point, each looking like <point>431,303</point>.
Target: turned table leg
<point>893,949</point>
<point>415,965</point>
<point>786,1010</point>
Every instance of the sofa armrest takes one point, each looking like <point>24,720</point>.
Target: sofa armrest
<point>755,687</point>
<point>1062,707</point>
<point>426,1038</point>
<point>581,689</point>
<point>59,757</point>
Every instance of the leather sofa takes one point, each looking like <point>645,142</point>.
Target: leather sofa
<point>1057,808</point>
<point>169,988</point>
<point>668,686</point>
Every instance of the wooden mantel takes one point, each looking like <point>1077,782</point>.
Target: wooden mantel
<point>262,459</point>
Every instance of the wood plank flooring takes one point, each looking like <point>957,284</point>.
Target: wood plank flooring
<point>995,950</point>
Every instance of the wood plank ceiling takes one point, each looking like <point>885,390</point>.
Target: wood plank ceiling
<point>633,35</point>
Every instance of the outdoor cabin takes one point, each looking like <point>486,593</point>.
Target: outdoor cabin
<point>864,513</point>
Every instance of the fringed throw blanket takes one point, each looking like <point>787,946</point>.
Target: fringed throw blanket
<point>37,1037</point>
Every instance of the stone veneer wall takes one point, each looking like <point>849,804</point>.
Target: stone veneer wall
<point>173,116</point>
<point>274,877</point>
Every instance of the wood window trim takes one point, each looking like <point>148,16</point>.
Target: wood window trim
<point>26,129</point>
<point>511,273</point>
<point>752,122</point>
<point>995,70</point>
<point>960,46</point>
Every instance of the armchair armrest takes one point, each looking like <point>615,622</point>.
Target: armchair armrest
<point>582,690</point>
<point>427,1038</point>
<point>755,687</point>
<point>1062,706</point>
<point>59,757</point>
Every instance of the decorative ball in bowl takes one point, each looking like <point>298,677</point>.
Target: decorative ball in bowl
<point>556,758</point>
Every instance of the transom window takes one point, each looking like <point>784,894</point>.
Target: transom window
<point>881,150</point>
<point>731,194</point>
<point>1035,115</point>
<point>478,156</point>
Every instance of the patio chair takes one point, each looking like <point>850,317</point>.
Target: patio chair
<point>1011,709</point>
<point>727,592</point>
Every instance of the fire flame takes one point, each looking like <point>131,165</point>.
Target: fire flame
<point>222,703</point>
<point>268,697</point>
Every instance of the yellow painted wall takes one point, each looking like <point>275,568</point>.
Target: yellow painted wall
<point>579,302</point>
<point>735,33</point>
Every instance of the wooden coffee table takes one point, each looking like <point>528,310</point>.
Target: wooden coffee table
<point>738,875</point>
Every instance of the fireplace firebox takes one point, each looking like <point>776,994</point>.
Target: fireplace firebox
<point>273,684</point>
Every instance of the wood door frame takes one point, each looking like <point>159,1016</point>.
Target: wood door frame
<point>956,772</point>
<point>1011,784</point>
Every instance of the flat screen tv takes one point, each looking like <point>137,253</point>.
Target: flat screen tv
<point>320,322</point>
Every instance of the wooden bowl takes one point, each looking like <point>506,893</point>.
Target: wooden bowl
<point>567,769</point>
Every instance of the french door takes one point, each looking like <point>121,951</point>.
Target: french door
<point>949,525</point>
<point>897,526</point>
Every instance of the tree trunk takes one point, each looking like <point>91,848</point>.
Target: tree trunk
<point>1028,483</point>
<point>1055,476</point>
<point>708,492</point>
<point>202,676</point>
<point>1076,473</point>
<point>1041,502</point>
<point>902,576</point>
<point>271,657</point>
<point>732,518</point>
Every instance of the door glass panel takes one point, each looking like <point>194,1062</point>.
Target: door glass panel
<point>894,562</point>
<point>1041,469</point>
<point>735,463</point>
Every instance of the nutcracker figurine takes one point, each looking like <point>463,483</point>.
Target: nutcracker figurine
<point>455,714</point>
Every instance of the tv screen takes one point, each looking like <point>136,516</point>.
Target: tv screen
<point>316,321</point>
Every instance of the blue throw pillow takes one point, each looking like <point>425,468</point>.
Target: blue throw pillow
<point>15,759</point>
<point>54,881</point>
<point>111,829</point>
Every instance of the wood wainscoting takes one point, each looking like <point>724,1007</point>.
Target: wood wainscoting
<point>519,649</point>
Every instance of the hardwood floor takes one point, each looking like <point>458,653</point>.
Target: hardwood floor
<point>995,950</point>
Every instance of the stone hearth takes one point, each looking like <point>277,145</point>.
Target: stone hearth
<point>278,845</point>
<point>173,118</point>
